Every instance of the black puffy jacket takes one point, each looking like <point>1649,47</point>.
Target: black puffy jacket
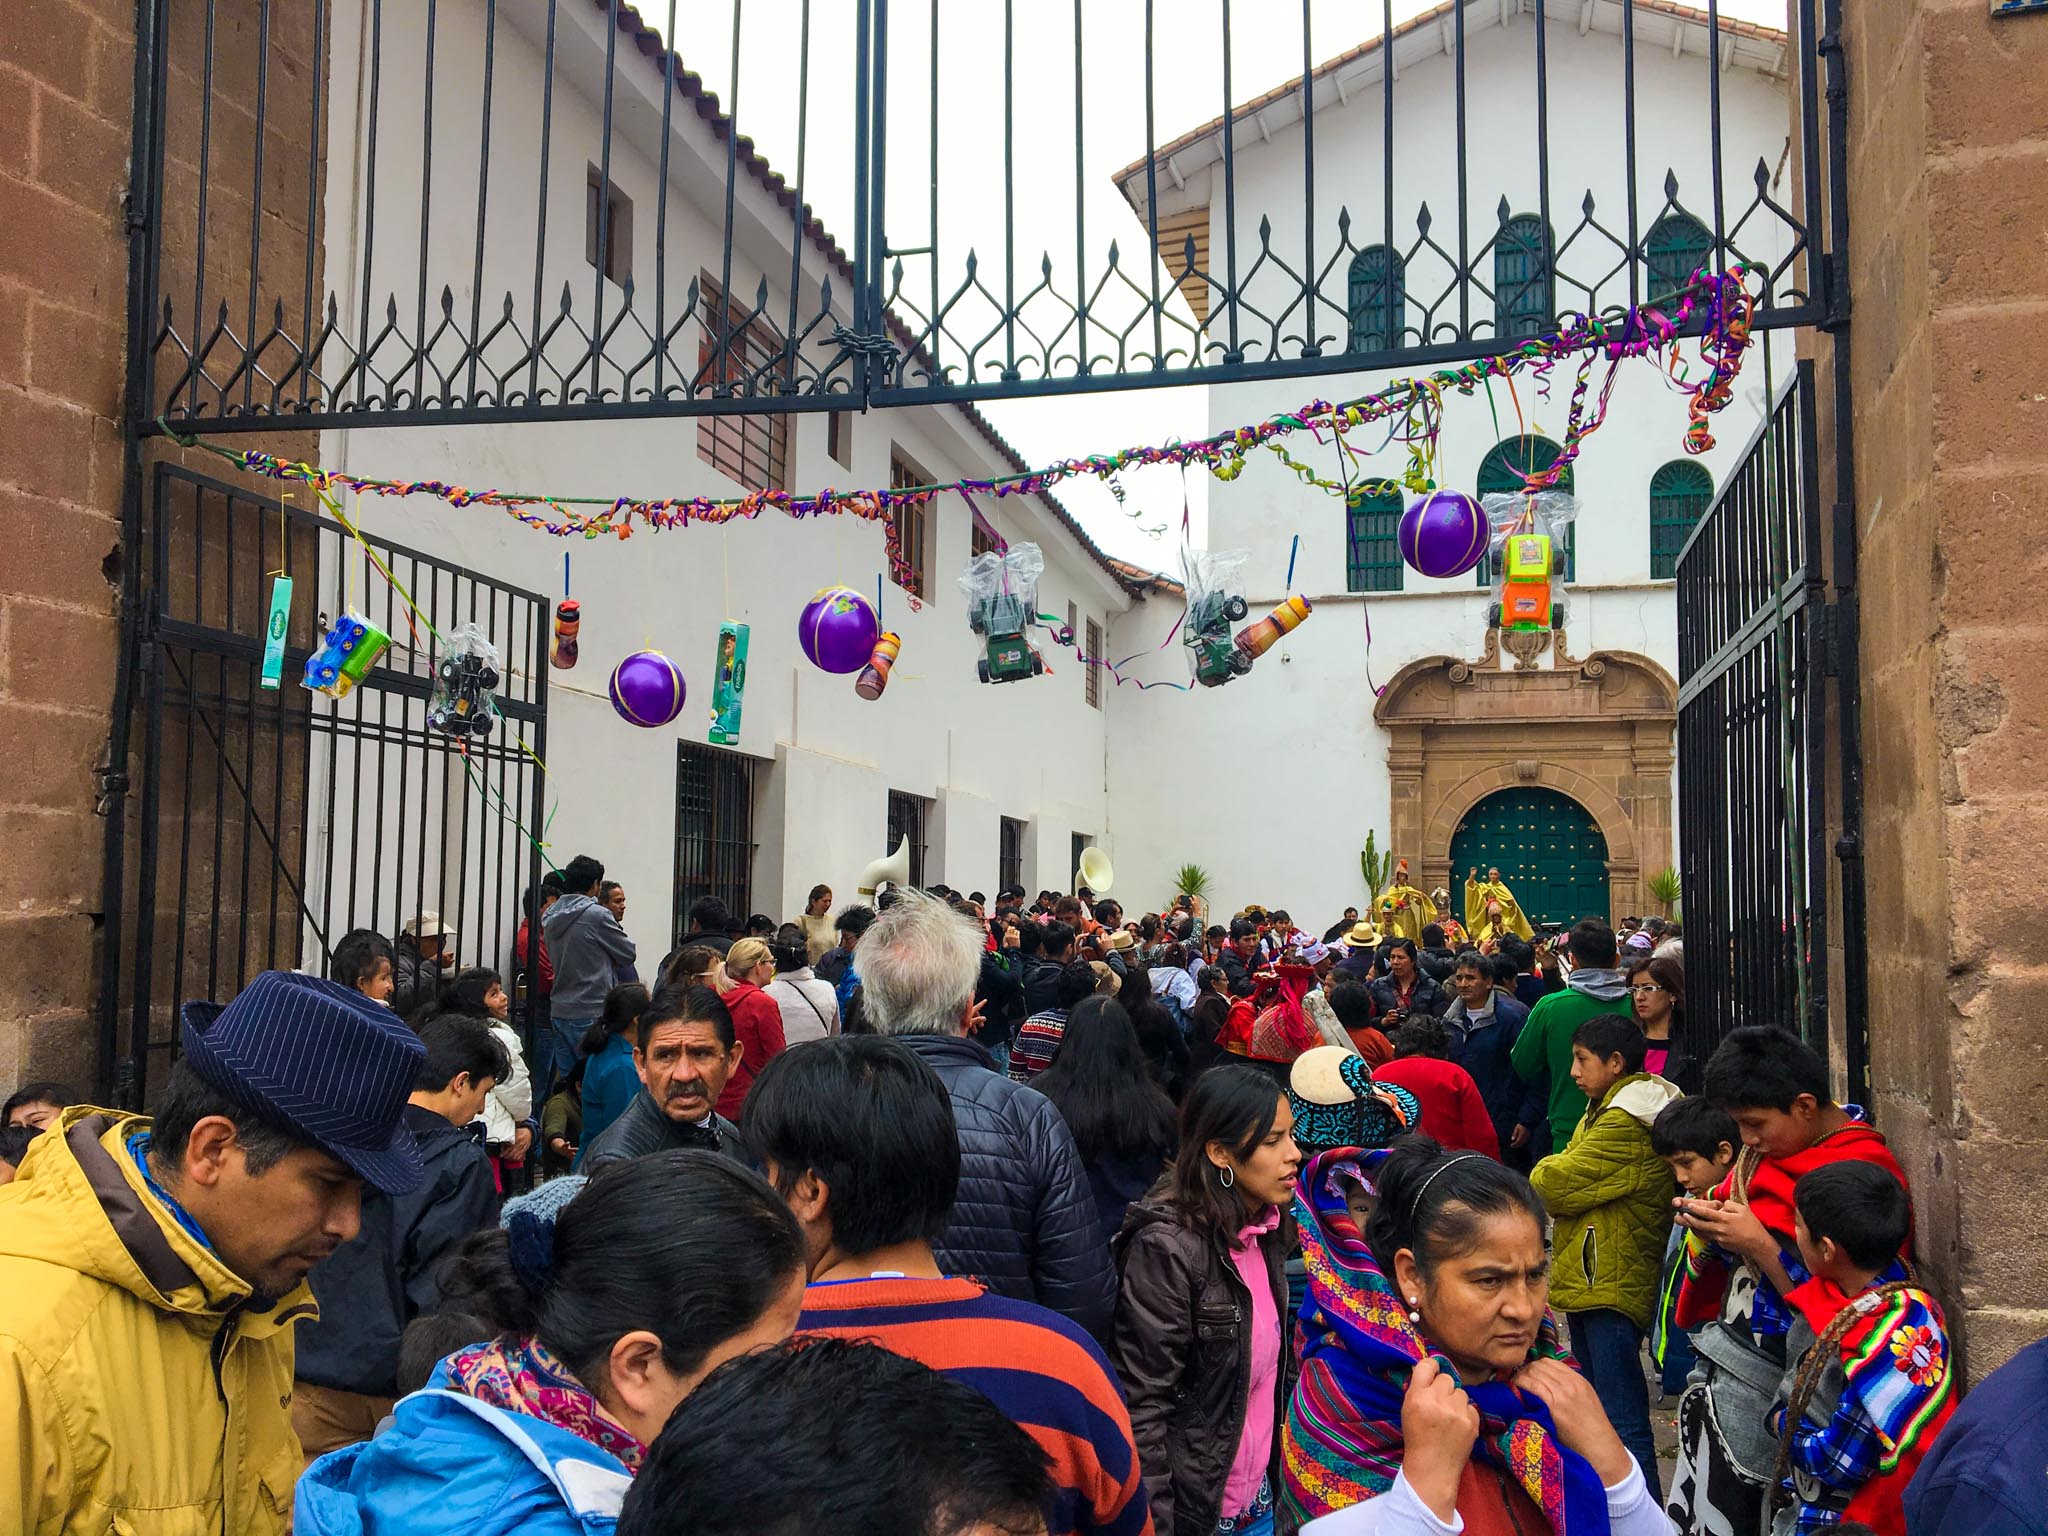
<point>1025,1218</point>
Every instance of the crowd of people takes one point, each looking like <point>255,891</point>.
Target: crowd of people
<point>970,1218</point>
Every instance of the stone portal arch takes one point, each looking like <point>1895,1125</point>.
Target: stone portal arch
<point>1600,730</point>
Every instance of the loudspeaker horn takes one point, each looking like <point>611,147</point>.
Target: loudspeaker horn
<point>894,870</point>
<point>1096,872</point>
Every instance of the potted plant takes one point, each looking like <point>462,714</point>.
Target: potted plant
<point>1666,890</point>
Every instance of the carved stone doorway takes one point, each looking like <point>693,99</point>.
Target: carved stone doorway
<point>1600,730</point>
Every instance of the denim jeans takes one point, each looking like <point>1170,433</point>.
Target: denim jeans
<point>565,1036</point>
<point>1609,1350</point>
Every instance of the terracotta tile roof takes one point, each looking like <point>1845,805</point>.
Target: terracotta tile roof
<point>690,87</point>
<point>1675,9</point>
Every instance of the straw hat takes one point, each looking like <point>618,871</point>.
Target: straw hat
<point>1362,936</point>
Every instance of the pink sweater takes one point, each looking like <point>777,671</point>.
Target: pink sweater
<point>1255,1449</point>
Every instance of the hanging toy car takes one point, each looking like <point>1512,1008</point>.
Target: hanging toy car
<point>1216,654</point>
<point>1002,600</point>
<point>346,654</point>
<point>465,685</point>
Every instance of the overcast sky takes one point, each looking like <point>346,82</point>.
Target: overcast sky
<point>1266,49</point>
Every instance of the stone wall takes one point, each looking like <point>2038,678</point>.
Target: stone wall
<point>66,74</point>
<point>1948,255</point>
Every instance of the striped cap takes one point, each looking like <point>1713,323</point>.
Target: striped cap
<point>321,1059</point>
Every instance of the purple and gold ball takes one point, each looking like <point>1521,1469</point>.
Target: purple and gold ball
<point>838,630</point>
<point>1444,534</point>
<point>647,689</point>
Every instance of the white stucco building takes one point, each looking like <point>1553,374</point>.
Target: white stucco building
<point>1272,783</point>
<point>819,779</point>
<point>1300,769</point>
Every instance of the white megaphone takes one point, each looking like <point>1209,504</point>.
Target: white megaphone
<point>894,870</point>
<point>1096,872</point>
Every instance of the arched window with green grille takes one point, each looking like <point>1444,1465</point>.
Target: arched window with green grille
<point>1504,471</point>
<point>1678,246</point>
<point>1372,561</point>
<point>1679,495</point>
<point>1379,296</point>
<point>1524,295</point>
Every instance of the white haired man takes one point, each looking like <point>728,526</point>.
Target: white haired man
<point>1024,1219</point>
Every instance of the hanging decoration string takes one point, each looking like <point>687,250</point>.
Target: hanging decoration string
<point>1720,303</point>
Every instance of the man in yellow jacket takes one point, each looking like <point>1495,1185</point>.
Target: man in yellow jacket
<point>152,1271</point>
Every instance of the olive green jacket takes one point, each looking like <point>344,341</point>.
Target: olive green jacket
<point>1609,1194</point>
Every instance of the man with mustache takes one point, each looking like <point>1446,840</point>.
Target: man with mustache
<point>153,1269</point>
<point>685,1051</point>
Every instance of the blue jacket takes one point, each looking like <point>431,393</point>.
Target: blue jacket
<point>448,1465</point>
<point>1483,1052</point>
<point>1984,1473</point>
<point>610,1081</point>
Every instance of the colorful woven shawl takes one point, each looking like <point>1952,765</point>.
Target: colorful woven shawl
<point>1341,1444</point>
<point>520,1376</point>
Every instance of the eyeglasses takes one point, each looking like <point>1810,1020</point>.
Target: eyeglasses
<point>1645,986</point>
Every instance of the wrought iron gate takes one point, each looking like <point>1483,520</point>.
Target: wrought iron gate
<point>265,824</point>
<point>1753,659</point>
<point>478,138</point>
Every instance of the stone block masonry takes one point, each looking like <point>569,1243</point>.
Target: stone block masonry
<point>1948,177</point>
<point>66,74</point>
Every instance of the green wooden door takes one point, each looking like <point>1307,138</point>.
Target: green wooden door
<point>1547,848</point>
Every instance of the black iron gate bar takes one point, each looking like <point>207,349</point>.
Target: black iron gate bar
<point>197,652</point>
<point>1752,742</point>
<point>875,331</point>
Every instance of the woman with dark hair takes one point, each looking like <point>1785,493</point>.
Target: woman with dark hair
<point>820,934</point>
<point>810,1008</point>
<point>479,992</point>
<point>1433,1388</point>
<point>610,1080</point>
<point>609,1300</point>
<point>1656,989</point>
<point>1122,1123</point>
<point>1406,991</point>
<point>1202,1297</point>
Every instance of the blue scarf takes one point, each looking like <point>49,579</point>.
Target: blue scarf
<point>138,1149</point>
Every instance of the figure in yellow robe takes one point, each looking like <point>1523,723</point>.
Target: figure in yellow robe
<point>1491,909</point>
<point>1404,911</point>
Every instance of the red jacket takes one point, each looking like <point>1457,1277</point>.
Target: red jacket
<point>544,980</point>
<point>757,1025</point>
<point>1453,1111</point>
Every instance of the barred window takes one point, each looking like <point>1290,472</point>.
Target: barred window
<point>1680,493</point>
<point>1503,472</point>
<point>1372,561</point>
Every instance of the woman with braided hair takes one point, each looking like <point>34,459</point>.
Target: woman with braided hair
<point>610,1299</point>
<point>1434,1395</point>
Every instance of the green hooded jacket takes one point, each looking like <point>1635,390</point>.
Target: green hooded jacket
<point>1609,1194</point>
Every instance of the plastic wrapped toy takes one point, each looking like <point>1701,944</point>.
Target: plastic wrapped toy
<point>344,658</point>
<point>1257,639</point>
<point>568,619</point>
<point>1215,600</point>
<point>1527,530</point>
<point>465,683</point>
<point>728,683</point>
<point>1002,600</point>
<point>874,677</point>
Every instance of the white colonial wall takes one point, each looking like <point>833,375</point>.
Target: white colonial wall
<point>1035,751</point>
<point>1273,782</point>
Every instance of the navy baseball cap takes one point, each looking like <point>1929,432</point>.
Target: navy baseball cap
<point>320,1059</point>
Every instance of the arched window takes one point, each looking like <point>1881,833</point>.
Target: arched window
<point>1524,298</point>
<point>1679,495</point>
<point>1504,471</point>
<point>1379,296</point>
<point>1372,561</point>
<point>1678,246</point>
